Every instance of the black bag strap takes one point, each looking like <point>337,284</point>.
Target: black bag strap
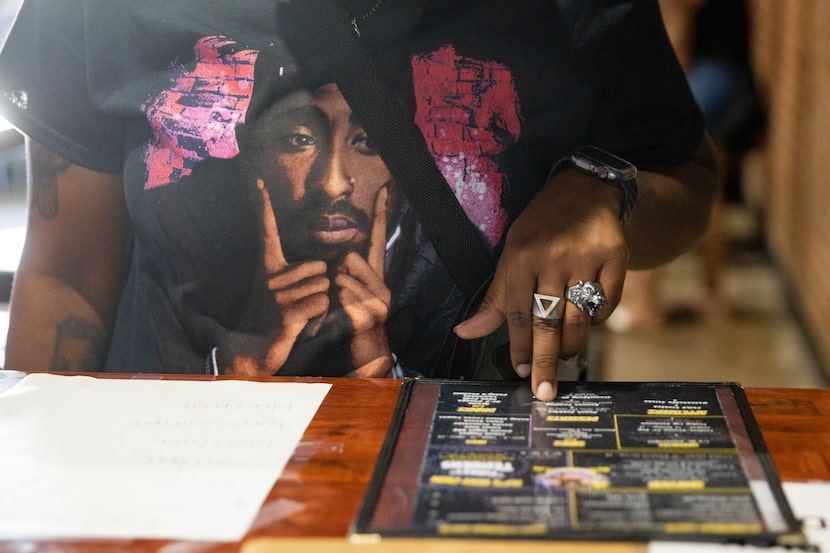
<point>399,142</point>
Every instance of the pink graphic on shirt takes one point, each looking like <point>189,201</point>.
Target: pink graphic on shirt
<point>196,117</point>
<point>468,111</point>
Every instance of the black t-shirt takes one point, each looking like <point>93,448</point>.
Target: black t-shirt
<point>262,212</point>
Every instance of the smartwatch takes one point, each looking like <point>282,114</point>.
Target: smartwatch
<point>608,167</point>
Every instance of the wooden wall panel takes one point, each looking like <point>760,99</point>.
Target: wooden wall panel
<point>791,53</point>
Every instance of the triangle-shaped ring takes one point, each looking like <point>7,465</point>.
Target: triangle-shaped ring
<point>548,307</point>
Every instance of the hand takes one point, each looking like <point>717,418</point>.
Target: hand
<point>365,299</point>
<point>285,299</point>
<point>570,231</point>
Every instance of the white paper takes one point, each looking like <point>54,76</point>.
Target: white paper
<point>809,502</point>
<point>85,457</point>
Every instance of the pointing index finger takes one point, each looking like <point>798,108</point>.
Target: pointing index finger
<point>273,258</point>
<point>377,239</point>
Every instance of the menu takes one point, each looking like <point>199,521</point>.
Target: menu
<point>622,461</point>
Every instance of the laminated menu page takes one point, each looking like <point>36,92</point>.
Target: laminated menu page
<point>604,461</point>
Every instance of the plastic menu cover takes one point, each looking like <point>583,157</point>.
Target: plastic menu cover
<point>604,461</point>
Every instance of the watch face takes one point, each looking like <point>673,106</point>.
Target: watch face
<point>603,164</point>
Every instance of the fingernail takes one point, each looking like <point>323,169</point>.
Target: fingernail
<point>545,391</point>
<point>523,370</point>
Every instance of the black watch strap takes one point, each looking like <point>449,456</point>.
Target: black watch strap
<point>608,167</point>
<point>630,189</point>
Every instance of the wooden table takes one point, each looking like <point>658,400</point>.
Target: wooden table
<point>314,501</point>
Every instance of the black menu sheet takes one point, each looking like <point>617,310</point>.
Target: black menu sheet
<point>604,461</point>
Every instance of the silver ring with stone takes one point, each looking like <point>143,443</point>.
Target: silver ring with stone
<point>548,307</point>
<point>587,296</point>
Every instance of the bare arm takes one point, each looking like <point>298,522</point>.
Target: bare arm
<point>679,19</point>
<point>673,208</point>
<point>73,265</point>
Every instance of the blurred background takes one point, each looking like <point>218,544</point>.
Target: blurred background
<point>752,304</point>
<point>12,195</point>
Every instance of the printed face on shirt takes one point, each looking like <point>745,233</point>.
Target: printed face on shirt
<point>322,172</point>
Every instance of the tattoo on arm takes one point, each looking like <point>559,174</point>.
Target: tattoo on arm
<point>45,167</point>
<point>79,346</point>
